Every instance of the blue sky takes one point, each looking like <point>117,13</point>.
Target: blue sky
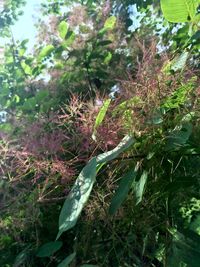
<point>24,27</point>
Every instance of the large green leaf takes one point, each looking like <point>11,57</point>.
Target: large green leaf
<point>78,197</point>
<point>83,186</point>
<point>179,10</point>
<point>122,191</point>
<point>48,249</point>
<point>67,261</point>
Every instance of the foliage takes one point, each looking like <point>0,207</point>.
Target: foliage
<point>120,111</point>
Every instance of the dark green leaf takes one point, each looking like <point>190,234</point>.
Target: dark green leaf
<point>67,261</point>
<point>49,249</point>
<point>179,136</point>
<point>122,191</point>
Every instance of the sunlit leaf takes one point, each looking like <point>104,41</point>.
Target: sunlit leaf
<point>82,188</point>
<point>78,197</point>
<point>46,51</point>
<point>110,23</point>
<point>62,29</point>
<point>102,113</point>
<point>100,116</point>
<point>126,142</point>
<point>139,187</point>
<point>179,62</point>
<point>108,58</point>
<point>179,10</point>
<point>27,69</point>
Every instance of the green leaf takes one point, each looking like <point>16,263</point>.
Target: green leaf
<point>140,186</point>
<point>110,23</point>
<point>27,69</point>
<point>195,225</point>
<point>41,96</point>
<point>78,197</point>
<point>88,265</point>
<point>178,97</point>
<point>46,51</point>
<point>63,29</point>
<point>179,136</point>
<point>22,257</point>
<point>104,43</point>
<point>67,261</point>
<point>100,116</point>
<point>29,104</point>
<point>108,58</point>
<point>102,113</point>
<point>126,142</point>
<point>179,10</point>
<point>179,62</point>
<point>16,98</point>
<point>49,249</point>
<point>69,39</point>
<point>82,188</point>
<point>122,191</point>
<point>184,249</point>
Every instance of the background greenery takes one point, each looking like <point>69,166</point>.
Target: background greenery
<point>99,129</point>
